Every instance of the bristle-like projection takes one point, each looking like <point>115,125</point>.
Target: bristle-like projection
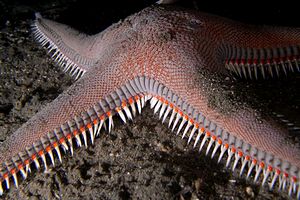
<point>186,122</point>
<point>251,63</point>
<point>58,49</point>
<point>239,155</point>
<point>292,127</point>
<point>88,125</point>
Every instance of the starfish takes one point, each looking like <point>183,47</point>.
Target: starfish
<point>175,60</point>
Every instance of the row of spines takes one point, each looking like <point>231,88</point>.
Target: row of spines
<point>202,131</point>
<point>252,62</point>
<point>130,95</point>
<point>207,134</point>
<point>57,49</point>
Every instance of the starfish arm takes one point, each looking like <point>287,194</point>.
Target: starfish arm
<point>104,91</point>
<point>68,47</point>
<point>79,114</point>
<point>254,52</point>
<point>228,127</point>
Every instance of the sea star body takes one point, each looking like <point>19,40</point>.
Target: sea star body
<point>171,58</point>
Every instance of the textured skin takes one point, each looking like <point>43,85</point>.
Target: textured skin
<point>182,50</point>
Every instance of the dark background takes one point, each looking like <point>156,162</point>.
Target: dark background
<point>87,15</point>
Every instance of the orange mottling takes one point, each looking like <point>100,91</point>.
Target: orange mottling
<point>208,134</point>
<point>219,141</point>
<point>13,171</point>
<point>233,149</point>
<point>102,117</point>
<point>48,148</point>
<point>33,157</point>
<point>62,140</point>
<point>130,100</point>
<point>180,113</point>
<point>26,162</point>
<point>54,144</point>
<point>69,136</point>
<point>226,146</point>
<point>124,104</point>
<point>202,130</point>
<point>270,168</point>
<point>82,129</point>
<point>192,121</point>
<point>213,138</point>
<point>20,166</point>
<point>89,125</point>
<point>75,132</point>
<point>118,109</point>
<point>278,171</point>
<point>41,152</point>
<point>95,121</point>
<point>5,175</point>
<point>240,153</point>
